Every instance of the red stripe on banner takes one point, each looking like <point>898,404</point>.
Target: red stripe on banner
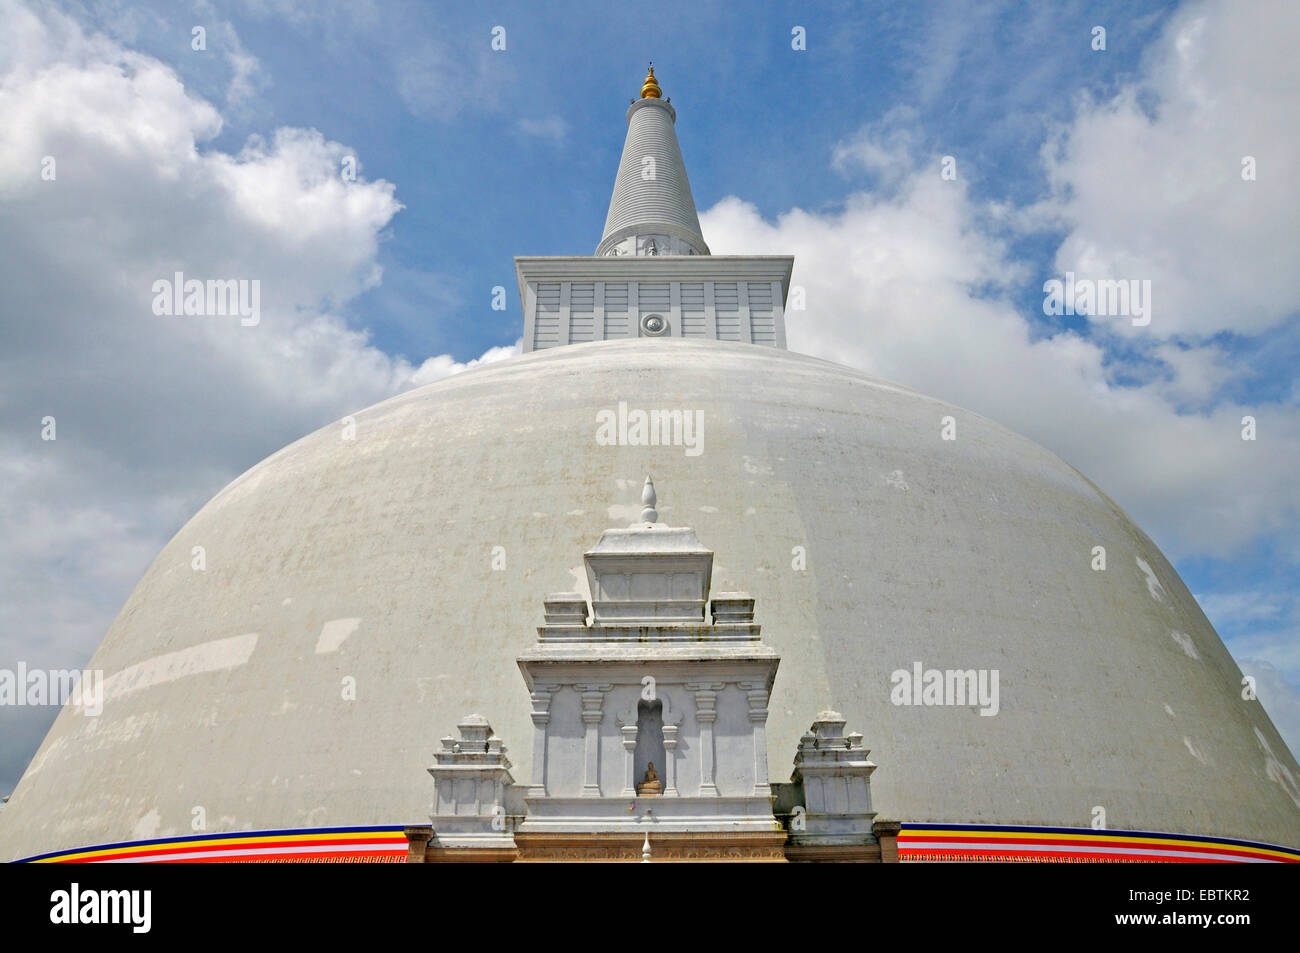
<point>370,858</point>
<point>1047,845</point>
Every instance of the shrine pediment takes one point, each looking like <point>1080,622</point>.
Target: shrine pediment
<point>650,572</point>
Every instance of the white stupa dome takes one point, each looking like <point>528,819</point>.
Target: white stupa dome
<point>373,560</point>
<point>362,592</point>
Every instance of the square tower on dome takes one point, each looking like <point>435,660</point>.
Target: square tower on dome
<point>653,274</point>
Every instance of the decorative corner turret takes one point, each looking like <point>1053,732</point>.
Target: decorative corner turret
<point>471,786</point>
<point>832,818</point>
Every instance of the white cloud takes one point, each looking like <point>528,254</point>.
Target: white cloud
<point>247,78</point>
<point>1259,624</point>
<point>551,128</point>
<point>883,147</point>
<point>1251,606</point>
<point>1196,374</point>
<point>436,368</point>
<point>154,413</point>
<point>346,18</point>
<point>1279,697</point>
<point>446,73</point>
<point>1149,183</point>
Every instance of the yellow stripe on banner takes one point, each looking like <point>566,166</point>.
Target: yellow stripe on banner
<point>934,834</point>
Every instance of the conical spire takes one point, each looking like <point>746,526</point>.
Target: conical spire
<point>652,211</point>
<point>649,501</point>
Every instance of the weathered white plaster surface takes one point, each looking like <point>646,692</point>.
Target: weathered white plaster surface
<point>982,562</point>
<point>215,656</point>
<point>334,633</point>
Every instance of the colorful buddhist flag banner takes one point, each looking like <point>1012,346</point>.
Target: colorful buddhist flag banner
<point>319,845</point>
<point>916,843</point>
<point>1071,845</point>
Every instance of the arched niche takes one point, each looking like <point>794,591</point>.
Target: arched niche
<point>649,738</point>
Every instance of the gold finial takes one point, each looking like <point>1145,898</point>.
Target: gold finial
<point>650,89</point>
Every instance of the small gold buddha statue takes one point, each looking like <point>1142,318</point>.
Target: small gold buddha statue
<point>650,785</point>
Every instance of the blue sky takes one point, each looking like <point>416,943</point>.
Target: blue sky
<point>1070,158</point>
<point>759,119</point>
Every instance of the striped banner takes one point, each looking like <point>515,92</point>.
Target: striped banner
<point>317,845</point>
<point>916,843</point>
<point>1073,845</point>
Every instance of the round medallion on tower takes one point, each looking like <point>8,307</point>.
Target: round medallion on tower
<point>654,325</point>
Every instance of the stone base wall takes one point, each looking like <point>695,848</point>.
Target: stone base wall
<point>744,847</point>
<point>715,847</point>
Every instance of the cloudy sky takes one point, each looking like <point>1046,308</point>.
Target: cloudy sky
<point>226,160</point>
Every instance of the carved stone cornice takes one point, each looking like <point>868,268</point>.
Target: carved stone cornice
<point>741,847</point>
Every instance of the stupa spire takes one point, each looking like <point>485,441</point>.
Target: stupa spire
<point>652,275</point>
<point>650,88</point>
<point>651,211</point>
<point>648,502</point>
